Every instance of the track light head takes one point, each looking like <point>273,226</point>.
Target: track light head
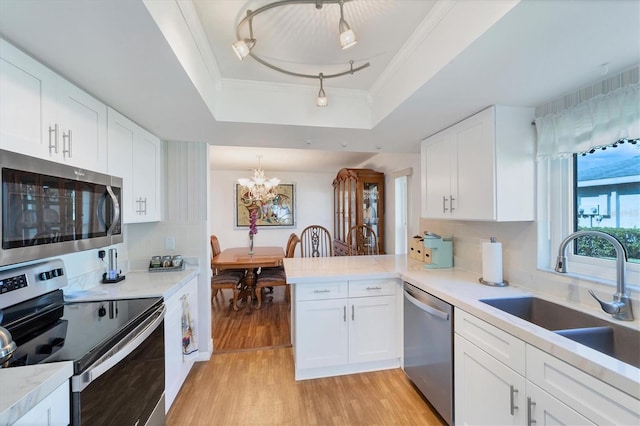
<point>347,36</point>
<point>322,100</point>
<point>242,48</point>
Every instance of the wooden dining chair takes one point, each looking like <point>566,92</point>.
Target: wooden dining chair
<point>362,241</point>
<point>273,277</point>
<point>228,278</point>
<point>315,241</point>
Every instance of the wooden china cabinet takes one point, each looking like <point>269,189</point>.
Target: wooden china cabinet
<point>358,199</point>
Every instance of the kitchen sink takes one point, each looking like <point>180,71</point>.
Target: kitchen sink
<point>609,338</point>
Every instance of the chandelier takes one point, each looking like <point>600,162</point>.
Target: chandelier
<point>243,47</point>
<point>259,188</point>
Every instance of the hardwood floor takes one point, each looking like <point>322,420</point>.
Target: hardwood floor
<point>263,328</point>
<point>242,385</point>
<point>258,388</point>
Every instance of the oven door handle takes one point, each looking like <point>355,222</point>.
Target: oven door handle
<point>119,352</point>
<point>428,309</point>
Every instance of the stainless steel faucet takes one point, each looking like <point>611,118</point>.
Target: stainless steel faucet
<point>620,307</point>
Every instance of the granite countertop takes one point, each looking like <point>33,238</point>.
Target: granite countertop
<point>462,289</point>
<point>23,387</point>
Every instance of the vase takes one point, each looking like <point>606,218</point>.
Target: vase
<point>250,243</point>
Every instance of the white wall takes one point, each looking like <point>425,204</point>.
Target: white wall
<point>313,205</point>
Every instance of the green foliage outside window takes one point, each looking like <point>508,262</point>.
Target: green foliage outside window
<point>598,247</point>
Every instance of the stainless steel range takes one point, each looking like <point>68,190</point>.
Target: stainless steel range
<point>117,346</point>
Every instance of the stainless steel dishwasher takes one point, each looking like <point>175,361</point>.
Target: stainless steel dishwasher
<point>428,348</point>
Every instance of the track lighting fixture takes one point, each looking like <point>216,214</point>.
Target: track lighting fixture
<point>347,36</point>
<point>322,97</point>
<point>243,46</point>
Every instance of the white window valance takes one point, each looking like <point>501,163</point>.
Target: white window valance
<point>598,122</point>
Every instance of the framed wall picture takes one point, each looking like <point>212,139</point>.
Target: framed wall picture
<point>280,212</point>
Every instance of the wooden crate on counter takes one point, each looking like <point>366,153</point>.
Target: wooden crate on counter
<point>416,248</point>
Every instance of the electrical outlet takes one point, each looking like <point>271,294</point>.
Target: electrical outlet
<point>170,243</point>
<point>101,254</point>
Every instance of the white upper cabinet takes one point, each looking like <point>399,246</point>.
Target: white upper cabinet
<point>481,168</point>
<point>45,116</point>
<point>135,156</point>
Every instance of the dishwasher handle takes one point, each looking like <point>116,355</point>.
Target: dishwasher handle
<point>429,309</point>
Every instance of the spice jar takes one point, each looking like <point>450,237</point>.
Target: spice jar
<point>176,261</point>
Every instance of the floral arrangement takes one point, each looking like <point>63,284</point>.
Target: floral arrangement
<point>253,217</point>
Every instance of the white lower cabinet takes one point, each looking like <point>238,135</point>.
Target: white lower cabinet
<point>54,409</point>
<point>345,327</point>
<point>486,391</point>
<point>540,390</point>
<point>178,365</point>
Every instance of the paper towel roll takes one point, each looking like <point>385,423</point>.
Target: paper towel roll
<point>492,262</point>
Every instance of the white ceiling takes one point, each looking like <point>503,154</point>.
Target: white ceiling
<point>168,66</point>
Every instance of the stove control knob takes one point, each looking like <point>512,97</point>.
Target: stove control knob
<point>45,276</point>
<point>60,272</point>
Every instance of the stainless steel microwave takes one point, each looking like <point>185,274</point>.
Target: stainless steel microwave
<point>49,209</point>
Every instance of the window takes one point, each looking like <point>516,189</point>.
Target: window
<point>606,194</point>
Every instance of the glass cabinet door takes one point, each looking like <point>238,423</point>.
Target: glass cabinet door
<point>371,207</point>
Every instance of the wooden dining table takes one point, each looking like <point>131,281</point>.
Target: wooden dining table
<point>239,258</point>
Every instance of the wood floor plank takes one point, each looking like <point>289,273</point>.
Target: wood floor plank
<point>245,385</point>
<point>258,388</point>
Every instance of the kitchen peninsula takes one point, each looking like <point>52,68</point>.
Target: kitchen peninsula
<point>607,380</point>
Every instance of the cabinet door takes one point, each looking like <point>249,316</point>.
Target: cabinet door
<point>486,391</point>
<point>177,366</point>
<point>146,177</point>
<point>82,123</point>
<point>121,135</point>
<point>27,104</point>
<point>543,410</point>
<point>134,155</point>
<point>438,153</point>
<point>322,338</point>
<point>475,168</point>
<point>54,409</point>
<point>372,329</point>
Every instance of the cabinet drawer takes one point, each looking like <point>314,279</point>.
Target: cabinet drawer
<point>321,291</point>
<point>594,399</point>
<point>360,288</point>
<point>501,345</point>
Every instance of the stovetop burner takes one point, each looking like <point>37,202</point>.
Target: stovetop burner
<point>46,329</point>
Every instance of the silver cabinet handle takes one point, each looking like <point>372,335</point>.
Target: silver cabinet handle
<point>374,288</point>
<point>322,291</point>
<point>353,313</point>
<point>451,200</point>
<point>145,206</point>
<point>66,147</point>
<point>53,143</point>
<point>344,315</point>
<point>444,204</point>
<point>530,405</point>
<point>513,407</point>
